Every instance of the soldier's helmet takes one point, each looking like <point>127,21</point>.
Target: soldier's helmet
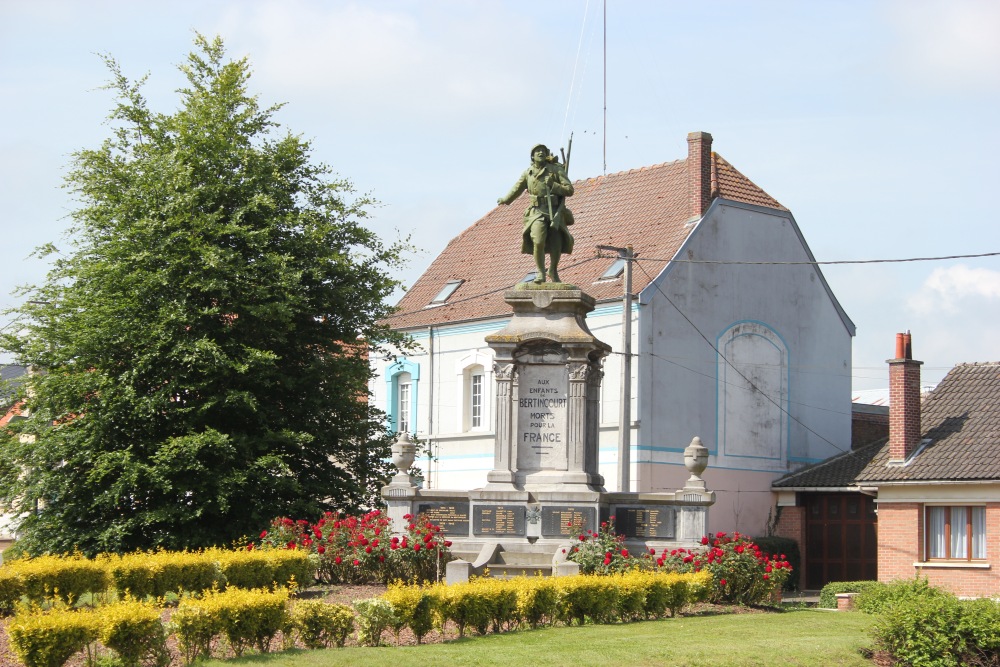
<point>543,147</point>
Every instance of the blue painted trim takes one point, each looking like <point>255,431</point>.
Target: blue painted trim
<point>392,372</point>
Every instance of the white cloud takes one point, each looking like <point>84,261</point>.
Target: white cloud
<point>955,288</point>
<point>950,44</point>
<point>378,58</point>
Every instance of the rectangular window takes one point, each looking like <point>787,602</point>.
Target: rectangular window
<point>956,533</point>
<point>476,398</point>
<point>403,423</point>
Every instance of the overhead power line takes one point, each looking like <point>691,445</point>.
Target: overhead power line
<point>813,262</point>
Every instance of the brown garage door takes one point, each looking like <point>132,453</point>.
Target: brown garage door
<point>840,538</point>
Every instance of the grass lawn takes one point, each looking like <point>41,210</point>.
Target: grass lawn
<point>800,637</point>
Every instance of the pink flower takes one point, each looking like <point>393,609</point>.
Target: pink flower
<point>338,560</point>
<point>722,582</point>
<point>357,562</point>
<point>263,534</point>
<point>766,577</point>
<point>625,553</point>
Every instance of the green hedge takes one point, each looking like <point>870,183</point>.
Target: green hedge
<point>828,595</point>
<point>144,575</point>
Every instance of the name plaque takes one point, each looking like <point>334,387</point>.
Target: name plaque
<point>645,521</point>
<point>542,408</point>
<point>568,521</point>
<point>452,517</point>
<point>498,520</point>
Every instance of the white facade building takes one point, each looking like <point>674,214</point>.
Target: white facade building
<point>736,336</point>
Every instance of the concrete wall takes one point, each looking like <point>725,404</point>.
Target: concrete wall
<point>777,325</point>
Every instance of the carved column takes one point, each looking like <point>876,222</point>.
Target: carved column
<point>505,375</point>
<point>577,416</point>
<point>591,465</point>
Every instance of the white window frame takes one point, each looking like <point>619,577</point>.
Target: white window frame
<point>477,363</point>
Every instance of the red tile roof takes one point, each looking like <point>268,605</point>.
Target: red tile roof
<point>647,207</point>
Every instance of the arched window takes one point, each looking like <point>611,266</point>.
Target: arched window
<point>475,390</point>
<point>402,379</point>
<point>752,392</point>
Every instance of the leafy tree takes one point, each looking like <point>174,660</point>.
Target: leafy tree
<point>202,370</point>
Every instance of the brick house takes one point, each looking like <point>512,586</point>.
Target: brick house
<point>726,345</point>
<point>935,484</point>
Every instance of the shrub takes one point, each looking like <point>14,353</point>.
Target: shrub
<point>319,623</point>
<point>134,631</point>
<point>196,627</point>
<point>587,596</point>
<point>604,551</point>
<point>743,573</point>
<point>537,600</point>
<point>265,568</point>
<point>58,577</point>
<point>50,638</point>
<point>252,617</point>
<point>922,631</point>
<point>246,617</point>
<point>374,616</point>
<point>360,550</point>
<point>790,549</point>
<point>879,598</point>
<point>11,590</point>
<point>156,573</point>
<point>935,629</point>
<point>828,594</point>
<point>413,607</point>
<point>463,605</point>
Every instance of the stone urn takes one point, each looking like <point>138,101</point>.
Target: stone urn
<point>696,460</point>
<point>404,452</point>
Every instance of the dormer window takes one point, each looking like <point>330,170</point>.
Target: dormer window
<point>615,270</point>
<point>446,292</point>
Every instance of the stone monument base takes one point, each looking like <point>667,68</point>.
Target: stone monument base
<point>514,532</point>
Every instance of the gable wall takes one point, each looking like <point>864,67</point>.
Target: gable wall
<point>786,334</point>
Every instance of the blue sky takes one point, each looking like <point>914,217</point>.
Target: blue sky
<point>875,122</point>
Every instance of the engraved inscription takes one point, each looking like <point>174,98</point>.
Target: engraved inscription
<point>452,517</point>
<point>498,520</point>
<point>567,521</point>
<point>645,521</point>
<point>542,404</point>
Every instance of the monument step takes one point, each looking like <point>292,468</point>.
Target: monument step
<point>514,558</point>
<point>500,571</point>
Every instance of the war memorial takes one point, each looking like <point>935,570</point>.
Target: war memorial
<point>545,489</point>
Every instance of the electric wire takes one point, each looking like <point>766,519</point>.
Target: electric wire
<point>729,363</point>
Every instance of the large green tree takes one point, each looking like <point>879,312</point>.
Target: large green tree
<point>198,344</point>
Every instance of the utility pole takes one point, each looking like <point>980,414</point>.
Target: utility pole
<point>625,400</point>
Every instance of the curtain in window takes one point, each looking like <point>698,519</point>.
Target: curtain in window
<point>935,532</point>
<point>979,532</point>
<point>959,532</point>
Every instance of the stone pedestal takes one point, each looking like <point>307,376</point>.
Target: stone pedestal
<point>545,489</point>
<point>548,371</point>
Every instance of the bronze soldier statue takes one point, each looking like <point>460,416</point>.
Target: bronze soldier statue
<point>546,220</point>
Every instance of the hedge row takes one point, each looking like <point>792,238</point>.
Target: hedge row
<point>495,605</point>
<point>254,618</point>
<point>150,575</point>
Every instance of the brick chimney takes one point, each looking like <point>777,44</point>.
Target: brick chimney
<point>699,168</point>
<point>904,400</point>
